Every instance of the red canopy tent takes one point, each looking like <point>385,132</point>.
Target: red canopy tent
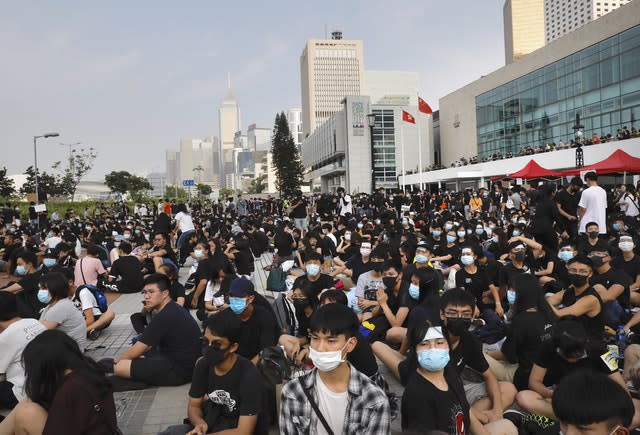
<point>618,161</point>
<point>534,170</point>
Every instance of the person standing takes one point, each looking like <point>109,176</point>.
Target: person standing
<point>593,205</point>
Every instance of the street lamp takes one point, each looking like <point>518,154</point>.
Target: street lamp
<point>35,157</point>
<point>371,119</point>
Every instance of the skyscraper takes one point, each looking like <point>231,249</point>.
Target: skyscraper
<point>523,27</point>
<point>294,118</point>
<point>229,122</point>
<point>330,70</point>
<point>564,16</point>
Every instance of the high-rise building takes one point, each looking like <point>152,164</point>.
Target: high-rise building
<point>524,22</point>
<point>229,122</point>
<point>330,70</point>
<point>258,139</point>
<point>199,160</point>
<point>172,163</point>
<point>294,118</point>
<point>564,16</point>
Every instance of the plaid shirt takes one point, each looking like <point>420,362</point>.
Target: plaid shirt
<point>367,409</point>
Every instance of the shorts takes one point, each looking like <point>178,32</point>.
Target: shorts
<point>475,391</point>
<point>300,223</point>
<point>158,370</point>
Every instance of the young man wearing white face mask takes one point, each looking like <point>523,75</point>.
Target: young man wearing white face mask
<point>314,281</point>
<point>334,397</point>
<point>630,263</point>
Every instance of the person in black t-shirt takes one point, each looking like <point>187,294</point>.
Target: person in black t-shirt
<point>566,352</point>
<point>613,287</point>
<point>26,289</point>
<point>591,241</point>
<point>567,201</point>
<point>313,282</point>
<point>630,263</point>
<point>226,389</point>
<point>260,327</point>
<point>476,281</point>
<point>129,269</point>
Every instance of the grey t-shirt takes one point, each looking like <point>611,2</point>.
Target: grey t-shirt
<point>69,319</point>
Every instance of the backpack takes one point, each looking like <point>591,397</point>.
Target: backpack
<point>276,280</point>
<point>274,365</point>
<point>101,299</point>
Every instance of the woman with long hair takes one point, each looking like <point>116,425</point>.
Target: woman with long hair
<point>68,392</point>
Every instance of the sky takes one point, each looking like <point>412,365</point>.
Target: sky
<point>131,78</point>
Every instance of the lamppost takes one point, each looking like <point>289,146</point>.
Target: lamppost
<point>371,119</point>
<point>198,169</point>
<point>35,157</point>
<point>577,128</point>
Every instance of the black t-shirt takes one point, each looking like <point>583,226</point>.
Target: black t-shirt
<point>468,353</point>
<point>594,326</point>
<point>283,242</point>
<point>313,287</point>
<point>585,248</point>
<point>362,357</point>
<point>527,332</point>
<point>244,262</point>
<point>258,332</point>
<point>176,335</point>
<point>611,277</point>
<point>631,267</point>
<point>162,224</point>
<point>300,211</point>
<point>177,290</point>
<point>426,408</point>
<point>130,269</point>
<point>454,251</point>
<point>476,284</point>
<point>492,269</point>
<point>357,267</point>
<point>558,367</point>
<point>509,273</point>
<point>204,270</point>
<point>28,304</point>
<point>239,392</point>
<point>568,202</point>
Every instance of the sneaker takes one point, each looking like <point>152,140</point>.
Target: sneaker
<point>514,416</point>
<point>535,423</point>
<point>94,334</point>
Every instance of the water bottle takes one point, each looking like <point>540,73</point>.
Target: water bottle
<point>622,343</point>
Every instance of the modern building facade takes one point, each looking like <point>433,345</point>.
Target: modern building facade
<point>172,166</point>
<point>258,139</point>
<point>199,161</point>
<point>564,16</point>
<point>593,72</point>
<point>339,152</point>
<point>523,28</point>
<point>229,124</point>
<point>330,69</point>
<point>158,181</point>
<point>294,118</point>
<point>398,88</point>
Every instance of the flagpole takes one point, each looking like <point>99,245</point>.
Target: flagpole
<point>402,153</point>
<point>420,152</point>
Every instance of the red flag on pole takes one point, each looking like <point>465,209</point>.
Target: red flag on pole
<point>424,107</point>
<point>407,117</point>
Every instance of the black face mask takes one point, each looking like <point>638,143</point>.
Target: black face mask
<point>597,261</point>
<point>300,303</point>
<point>213,355</point>
<point>594,234</point>
<point>389,282</point>
<point>519,256</point>
<point>577,280</point>
<point>457,325</point>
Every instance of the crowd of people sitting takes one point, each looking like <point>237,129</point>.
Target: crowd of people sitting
<point>528,150</point>
<point>509,310</point>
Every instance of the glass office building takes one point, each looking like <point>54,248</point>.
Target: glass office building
<point>601,83</point>
<point>384,149</point>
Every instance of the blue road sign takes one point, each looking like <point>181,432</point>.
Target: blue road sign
<point>187,183</point>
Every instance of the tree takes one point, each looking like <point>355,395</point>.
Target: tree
<point>257,185</point>
<point>286,158</point>
<point>80,163</point>
<point>7,188</point>
<point>123,182</point>
<point>48,184</point>
<point>204,189</point>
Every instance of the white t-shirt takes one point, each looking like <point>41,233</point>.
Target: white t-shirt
<point>630,205</point>
<point>69,320</point>
<point>211,290</point>
<point>333,407</point>
<point>186,223</point>
<point>88,300</point>
<point>13,340</point>
<point>346,206</point>
<point>594,201</point>
<point>52,242</point>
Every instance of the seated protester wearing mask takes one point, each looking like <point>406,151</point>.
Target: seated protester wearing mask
<point>580,299</point>
<point>347,248</point>
<point>215,291</point>
<point>590,403</point>
<point>168,348</point>
<point>160,253</point>
<point>60,312</point>
<point>125,275</point>
<point>348,401</point>
<point>613,287</point>
<point>313,282</point>
<point>226,389</point>
<point>15,333</point>
<point>518,265</point>
<point>435,238</point>
<point>630,263</point>
<point>114,254</point>
<point>450,252</point>
<point>568,351</point>
<point>529,327</point>
<point>421,259</point>
<point>591,241</point>
<point>434,399</point>
<point>368,284</point>
<point>476,281</point>
<point>567,252</point>
<point>394,303</point>
<point>202,275</point>
<point>296,346</point>
<point>26,289</point>
<point>260,327</point>
<point>49,261</point>
<point>358,264</point>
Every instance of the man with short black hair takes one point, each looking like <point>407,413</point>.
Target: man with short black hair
<point>172,334</point>
<point>26,289</point>
<point>333,397</point>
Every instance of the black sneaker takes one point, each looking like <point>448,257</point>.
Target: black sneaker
<point>94,334</point>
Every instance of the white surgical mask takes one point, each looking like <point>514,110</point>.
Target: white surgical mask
<point>625,246</point>
<point>365,252</point>
<point>326,361</point>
